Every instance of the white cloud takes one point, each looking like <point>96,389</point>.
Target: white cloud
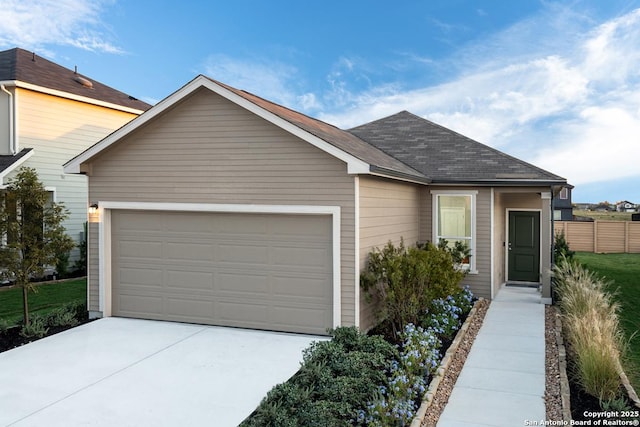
<point>572,107</point>
<point>37,24</point>
<point>269,79</point>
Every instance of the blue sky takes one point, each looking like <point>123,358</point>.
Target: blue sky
<point>555,83</point>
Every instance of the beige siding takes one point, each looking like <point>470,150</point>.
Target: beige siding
<point>389,211</point>
<point>59,129</point>
<point>480,281</point>
<point>209,150</point>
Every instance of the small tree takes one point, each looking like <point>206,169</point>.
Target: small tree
<point>32,231</point>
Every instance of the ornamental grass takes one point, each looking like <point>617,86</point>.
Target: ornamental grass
<point>592,330</point>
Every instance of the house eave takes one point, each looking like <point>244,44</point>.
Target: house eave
<point>70,96</point>
<point>392,174</point>
<point>501,182</point>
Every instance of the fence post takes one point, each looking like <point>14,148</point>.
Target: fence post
<point>626,237</point>
<point>595,236</point>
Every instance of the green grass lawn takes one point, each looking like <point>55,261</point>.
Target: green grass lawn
<point>48,297</point>
<point>624,271</point>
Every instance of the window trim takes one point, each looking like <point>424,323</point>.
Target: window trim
<point>472,268</point>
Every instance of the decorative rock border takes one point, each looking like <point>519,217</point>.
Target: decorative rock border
<point>565,394</point>
<point>429,395</point>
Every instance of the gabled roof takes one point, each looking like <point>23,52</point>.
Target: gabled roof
<point>23,67</point>
<point>359,156</point>
<point>446,156</point>
<point>403,146</point>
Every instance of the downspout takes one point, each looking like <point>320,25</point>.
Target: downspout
<point>12,134</point>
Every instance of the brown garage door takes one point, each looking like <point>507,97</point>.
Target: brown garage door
<point>263,271</point>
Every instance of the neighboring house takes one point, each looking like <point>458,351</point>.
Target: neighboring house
<point>48,115</point>
<point>625,206</point>
<point>562,206</point>
<point>217,206</point>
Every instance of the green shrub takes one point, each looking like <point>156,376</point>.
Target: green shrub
<point>335,378</point>
<point>37,328</point>
<point>61,316</point>
<point>4,325</point>
<point>405,280</point>
<point>561,248</point>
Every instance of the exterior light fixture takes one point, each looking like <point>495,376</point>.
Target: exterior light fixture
<point>93,209</point>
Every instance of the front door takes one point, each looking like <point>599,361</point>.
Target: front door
<point>523,246</point>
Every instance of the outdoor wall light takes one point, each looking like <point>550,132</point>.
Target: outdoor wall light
<point>93,209</point>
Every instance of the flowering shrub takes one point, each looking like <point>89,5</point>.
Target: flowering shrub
<point>445,315</point>
<point>419,358</point>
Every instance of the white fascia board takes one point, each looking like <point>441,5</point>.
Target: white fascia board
<point>13,167</point>
<point>67,95</point>
<point>354,165</point>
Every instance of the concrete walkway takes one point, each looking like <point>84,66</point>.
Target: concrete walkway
<point>503,380</point>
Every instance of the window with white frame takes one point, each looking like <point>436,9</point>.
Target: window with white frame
<point>454,221</point>
<point>564,193</point>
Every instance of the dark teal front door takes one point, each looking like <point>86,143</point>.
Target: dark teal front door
<point>523,246</point>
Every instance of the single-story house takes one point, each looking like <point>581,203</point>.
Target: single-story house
<point>217,206</point>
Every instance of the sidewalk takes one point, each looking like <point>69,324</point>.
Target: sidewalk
<point>503,379</point>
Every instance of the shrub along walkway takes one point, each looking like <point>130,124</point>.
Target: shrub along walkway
<point>502,382</point>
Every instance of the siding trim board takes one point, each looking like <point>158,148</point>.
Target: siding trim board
<point>104,237</point>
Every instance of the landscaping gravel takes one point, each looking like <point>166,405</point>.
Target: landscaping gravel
<point>552,394</point>
<point>455,367</point>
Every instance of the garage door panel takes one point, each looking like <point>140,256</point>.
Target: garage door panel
<point>189,279</point>
<point>301,257</point>
<point>150,277</point>
<point>235,282</point>
<point>190,251</point>
<point>129,248</point>
<point>175,222</point>
<point>196,308</point>
<point>305,288</point>
<point>249,252</point>
<point>136,305</point>
<point>264,271</point>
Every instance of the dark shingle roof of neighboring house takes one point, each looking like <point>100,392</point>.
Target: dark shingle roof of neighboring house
<point>7,161</point>
<point>446,156</point>
<point>348,142</point>
<point>20,65</point>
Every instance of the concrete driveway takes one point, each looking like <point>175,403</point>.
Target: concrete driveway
<point>126,372</point>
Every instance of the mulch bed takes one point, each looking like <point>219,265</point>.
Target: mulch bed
<point>11,338</point>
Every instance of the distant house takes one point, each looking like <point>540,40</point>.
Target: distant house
<point>48,115</point>
<point>626,206</point>
<point>562,206</point>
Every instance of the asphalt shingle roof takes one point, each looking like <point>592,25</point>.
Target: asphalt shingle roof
<point>446,156</point>
<point>21,65</point>
<point>8,160</point>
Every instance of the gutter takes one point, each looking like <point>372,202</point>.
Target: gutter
<point>13,143</point>
<point>506,183</point>
<point>389,173</point>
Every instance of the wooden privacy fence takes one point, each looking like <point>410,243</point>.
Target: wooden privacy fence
<point>601,236</point>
